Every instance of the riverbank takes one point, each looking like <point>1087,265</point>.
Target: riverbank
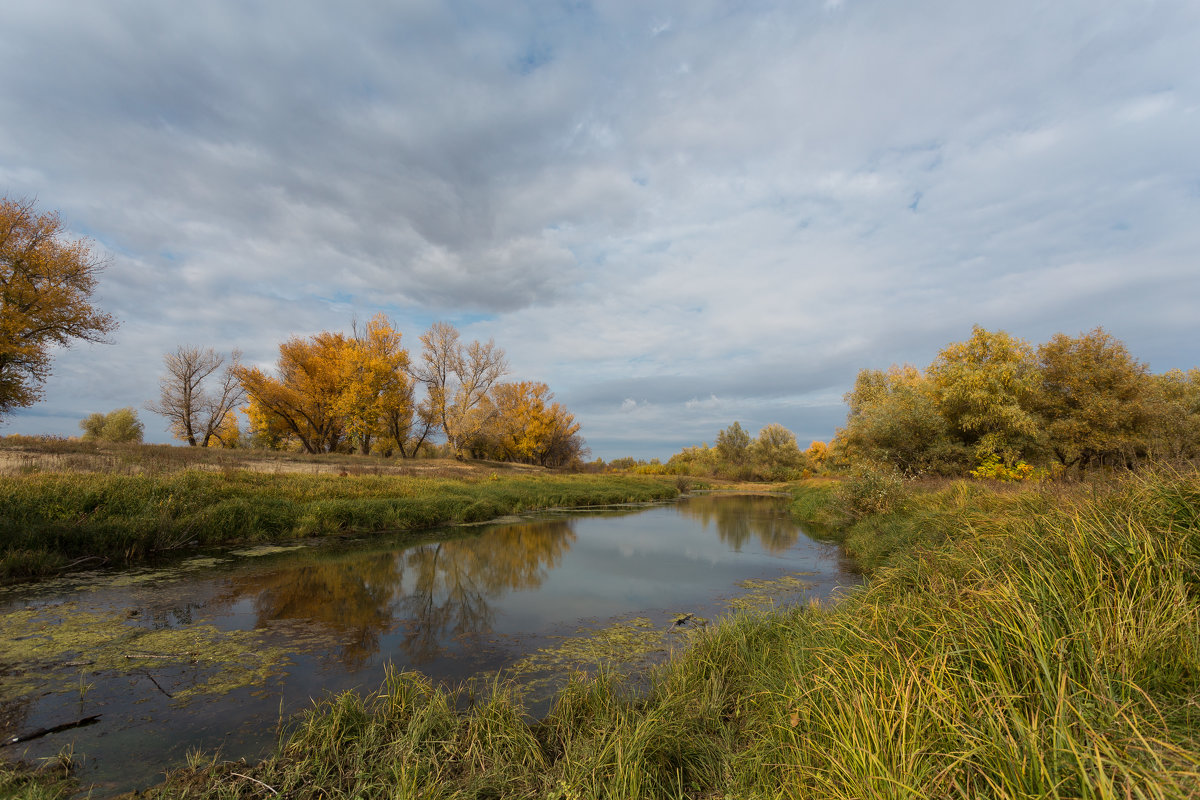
<point>54,521</point>
<point>1040,642</point>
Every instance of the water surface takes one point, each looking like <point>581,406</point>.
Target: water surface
<point>212,651</point>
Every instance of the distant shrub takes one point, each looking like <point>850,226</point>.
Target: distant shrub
<point>121,425</point>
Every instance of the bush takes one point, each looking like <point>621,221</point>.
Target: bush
<point>121,425</point>
<point>871,490</point>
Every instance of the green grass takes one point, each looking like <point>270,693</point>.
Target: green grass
<point>1018,644</point>
<point>50,522</point>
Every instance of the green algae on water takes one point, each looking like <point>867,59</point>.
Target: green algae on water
<point>46,648</point>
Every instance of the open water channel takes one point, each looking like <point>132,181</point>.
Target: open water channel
<point>213,651</point>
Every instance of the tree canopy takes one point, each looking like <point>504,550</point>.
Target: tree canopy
<point>46,285</point>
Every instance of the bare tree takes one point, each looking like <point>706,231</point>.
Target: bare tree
<point>457,378</point>
<point>194,405</point>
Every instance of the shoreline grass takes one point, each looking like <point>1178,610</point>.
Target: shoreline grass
<point>54,521</point>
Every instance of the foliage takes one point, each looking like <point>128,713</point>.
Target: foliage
<point>46,284</point>
<point>895,419</point>
<point>985,388</point>
<point>376,399</point>
<point>120,425</point>
<point>871,490</point>
<point>302,401</point>
<point>993,402</point>
<point>1093,399</point>
<point>1174,426</point>
<point>995,469</point>
<point>772,455</point>
<point>525,425</point>
<point>733,445</point>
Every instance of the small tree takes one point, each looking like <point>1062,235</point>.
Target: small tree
<point>195,407</point>
<point>775,451</point>
<point>458,378</point>
<point>121,425</point>
<point>733,445</point>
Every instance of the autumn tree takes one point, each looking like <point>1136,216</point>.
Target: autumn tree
<point>775,452</point>
<point>302,401</point>
<point>196,398</point>
<point>457,380</point>
<point>526,425</point>
<point>985,387</point>
<point>46,285</point>
<point>120,425</point>
<point>228,434</point>
<point>1094,398</point>
<point>376,398</point>
<point>1174,425</point>
<point>894,419</point>
<point>733,445</point>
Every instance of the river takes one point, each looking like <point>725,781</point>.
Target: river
<point>211,652</point>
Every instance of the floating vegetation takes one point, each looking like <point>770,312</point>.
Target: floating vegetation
<point>621,647</point>
<point>45,649</point>
<point>762,595</point>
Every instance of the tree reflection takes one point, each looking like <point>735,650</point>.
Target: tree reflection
<point>434,592</point>
<point>450,583</point>
<point>349,598</point>
<point>739,518</point>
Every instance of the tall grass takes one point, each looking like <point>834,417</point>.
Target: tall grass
<point>1031,645</point>
<point>51,521</point>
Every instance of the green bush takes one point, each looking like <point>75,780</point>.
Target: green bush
<point>871,490</point>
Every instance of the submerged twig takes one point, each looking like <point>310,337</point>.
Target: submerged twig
<point>157,686</point>
<point>66,726</point>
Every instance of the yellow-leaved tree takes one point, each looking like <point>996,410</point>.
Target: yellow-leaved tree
<point>46,284</point>
<point>986,388</point>
<point>302,402</point>
<point>376,399</point>
<point>528,426</point>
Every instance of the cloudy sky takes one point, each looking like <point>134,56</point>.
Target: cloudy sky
<point>677,214</point>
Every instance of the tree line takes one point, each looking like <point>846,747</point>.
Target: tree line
<point>330,392</point>
<point>361,392</point>
<point>995,406</point>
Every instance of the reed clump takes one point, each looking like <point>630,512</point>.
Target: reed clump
<point>1042,643</point>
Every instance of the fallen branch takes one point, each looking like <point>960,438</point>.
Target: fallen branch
<point>66,726</point>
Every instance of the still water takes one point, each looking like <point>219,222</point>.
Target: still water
<point>213,651</point>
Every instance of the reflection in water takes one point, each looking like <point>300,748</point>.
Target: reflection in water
<point>349,598</point>
<point>433,591</point>
<point>739,517</point>
<point>451,582</point>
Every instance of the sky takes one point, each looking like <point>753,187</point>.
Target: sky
<point>676,214</point>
